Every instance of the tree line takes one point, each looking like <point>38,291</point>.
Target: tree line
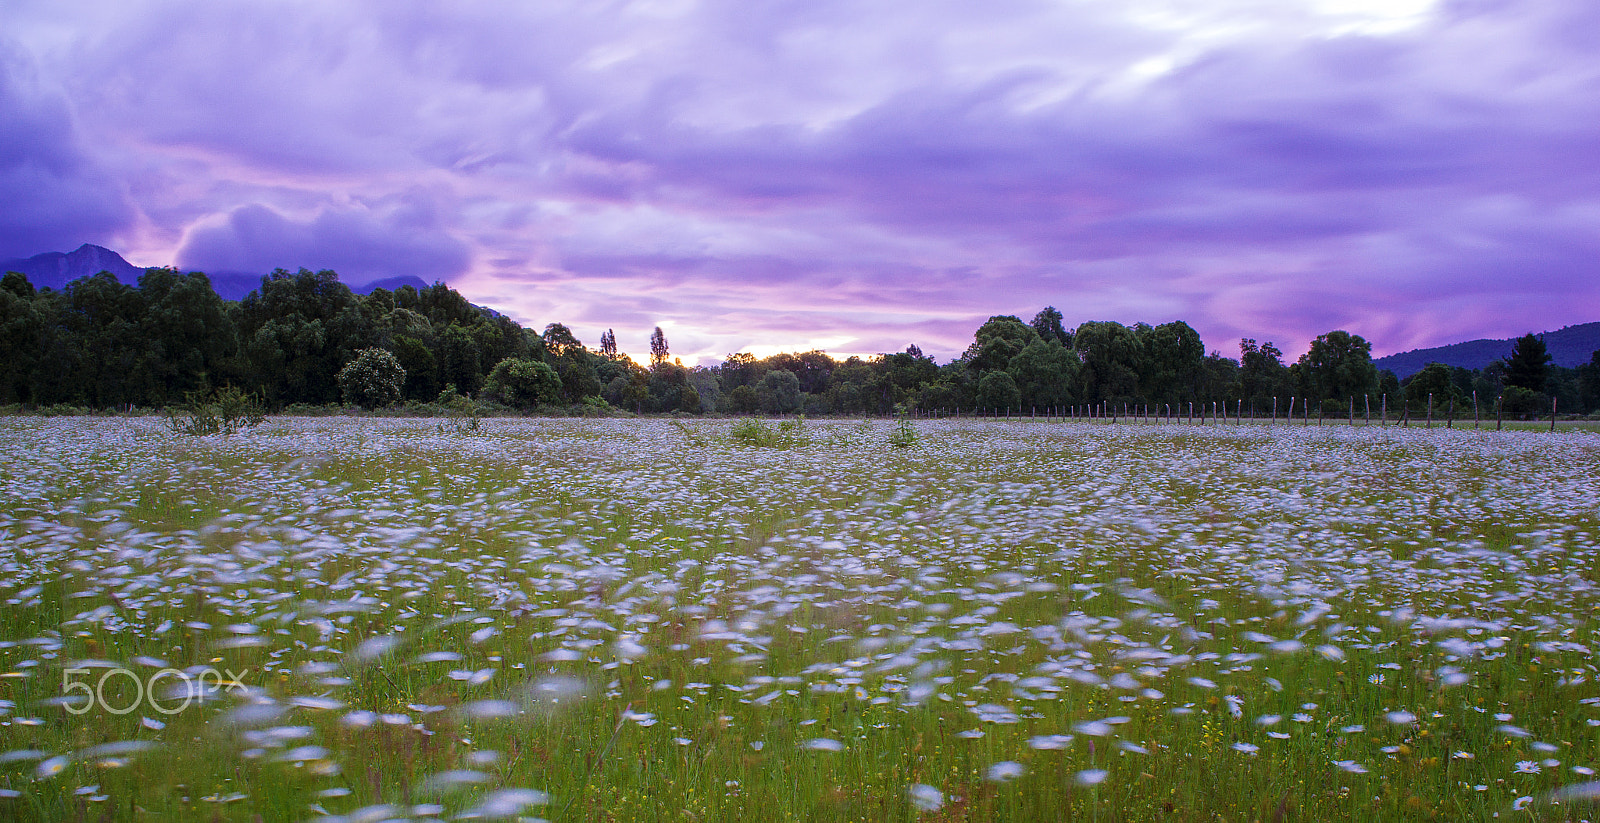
<point>306,339</point>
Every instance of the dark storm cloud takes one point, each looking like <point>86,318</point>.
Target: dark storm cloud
<point>360,244</point>
<point>56,196</point>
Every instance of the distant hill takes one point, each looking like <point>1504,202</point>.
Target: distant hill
<point>56,269</point>
<point>1569,347</point>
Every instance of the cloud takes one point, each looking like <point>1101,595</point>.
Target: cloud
<point>1418,173</point>
<point>360,242</point>
<point>57,196</point>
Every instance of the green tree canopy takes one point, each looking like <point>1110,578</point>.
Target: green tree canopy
<point>658,347</point>
<point>1528,365</point>
<point>1433,381</point>
<point>1173,363</point>
<point>1047,324</point>
<point>523,383</point>
<point>22,329</point>
<point>779,392</point>
<point>997,391</point>
<point>1112,356</point>
<point>1262,375</point>
<point>1339,366</point>
<point>1045,374</point>
<point>997,341</point>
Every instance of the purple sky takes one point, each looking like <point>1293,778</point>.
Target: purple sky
<point>844,175</point>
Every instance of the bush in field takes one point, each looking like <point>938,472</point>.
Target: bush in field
<point>904,435</point>
<point>223,411</point>
<point>375,378</point>
<point>1524,403</point>
<point>523,383</point>
<point>753,432</point>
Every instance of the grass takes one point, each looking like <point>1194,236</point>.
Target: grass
<point>650,620</point>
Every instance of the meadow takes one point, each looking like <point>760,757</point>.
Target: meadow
<point>617,620</point>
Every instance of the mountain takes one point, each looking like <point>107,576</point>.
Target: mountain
<point>1569,347</point>
<point>391,283</point>
<point>56,269</point>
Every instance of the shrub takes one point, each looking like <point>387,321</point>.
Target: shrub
<point>462,414</point>
<point>523,383</point>
<point>375,378</point>
<point>1524,403</point>
<point>904,435</point>
<point>786,435</point>
<point>223,411</point>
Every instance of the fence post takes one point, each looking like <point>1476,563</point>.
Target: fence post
<point>1499,412</point>
<point>1475,410</point>
<point>1552,415</point>
<point>1430,410</point>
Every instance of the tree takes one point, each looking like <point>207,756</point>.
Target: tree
<point>574,363</point>
<point>1045,374</point>
<point>523,383</point>
<point>1339,366</point>
<point>626,383</point>
<point>707,388</point>
<point>1523,403</point>
<point>188,335</point>
<point>1173,361</point>
<point>901,375</point>
<point>1528,366</point>
<point>1219,379</point>
<point>608,343</point>
<point>291,336</point>
<point>1262,375</point>
<point>668,384</point>
<point>1589,383</point>
<point>779,392</point>
<point>742,400</point>
<point>1111,354</point>
<point>853,387</point>
<point>997,391</point>
<point>1432,381</point>
<point>740,369</point>
<point>22,329</point>
<point>658,347</point>
<point>812,368</point>
<point>1047,324</point>
<point>460,359</point>
<point>559,340</point>
<point>374,378</point>
<point>105,354</point>
<point>997,341</point>
<point>422,368</point>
